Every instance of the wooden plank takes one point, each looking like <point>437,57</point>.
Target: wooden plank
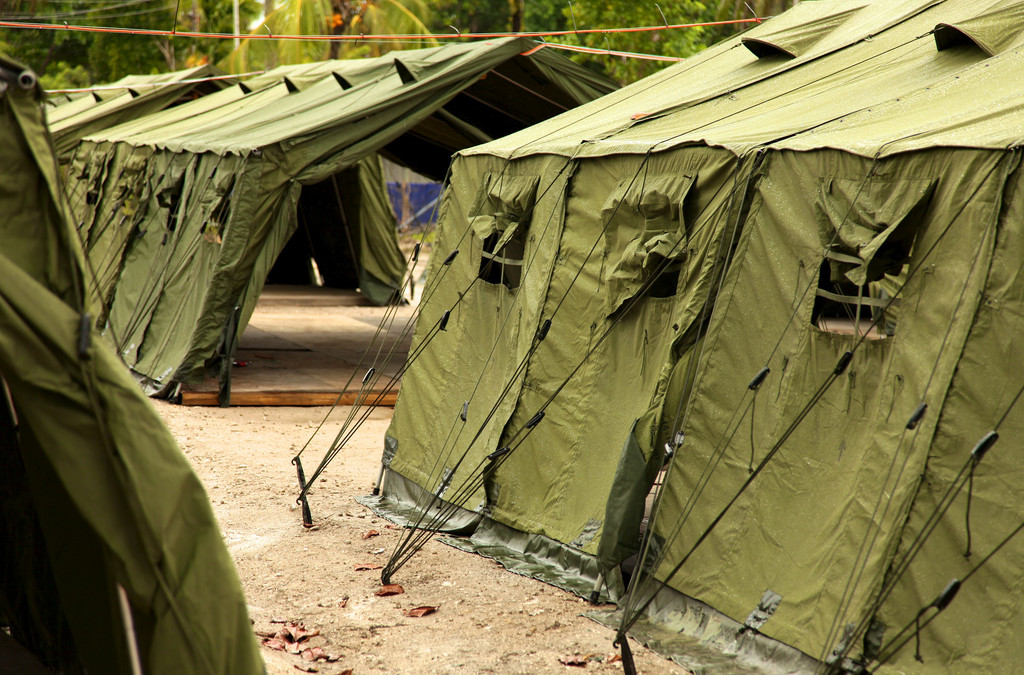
<point>293,398</point>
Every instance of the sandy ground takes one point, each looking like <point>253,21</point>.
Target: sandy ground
<point>488,620</point>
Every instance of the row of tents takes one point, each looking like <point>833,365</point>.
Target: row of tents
<point>183,190</point>
<point>184,211</point>
<point>775,289</point>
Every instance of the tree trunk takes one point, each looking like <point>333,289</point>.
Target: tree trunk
<point>516,8</point>
<point>342,13</point>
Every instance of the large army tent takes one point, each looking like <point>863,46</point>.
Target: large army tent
<point>183,220</point>
<point>110,558</point>
<point>787,270</point>
<point>130,97</point>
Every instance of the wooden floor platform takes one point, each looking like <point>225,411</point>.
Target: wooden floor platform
<point>305,346</point>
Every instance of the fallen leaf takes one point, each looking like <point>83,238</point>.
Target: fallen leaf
<point>274,643</point>
<point>371,533</point>
<point>308,655</point>
<point>390,589</point>
<point>265,633</point>
<point>363,568</point>
<point>300,633</point>
<point>393,527</point>
<point>343,602</point>
<point>420,611</point>
<point>614,658</point>
<point>306,669</point>
<point>574,660</point>
<point>377,551</point>
<point>347,671</point>
<point>293,648</point>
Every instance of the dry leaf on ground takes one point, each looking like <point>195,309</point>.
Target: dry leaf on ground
<point>365,567</point>
<point>390,589</point>
<point>371,533</point>
<point>420,611</point>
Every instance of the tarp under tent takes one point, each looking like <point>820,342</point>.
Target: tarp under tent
<point>183,221</point>
<point>111,560</point>
<point>780,280</point>
<point>128,98</point>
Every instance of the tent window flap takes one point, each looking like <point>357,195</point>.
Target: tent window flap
<point>868,230</point>
<point>501,220</point>
<point>645,236</point>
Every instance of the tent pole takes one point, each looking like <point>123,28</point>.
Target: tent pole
<point>129,630</point>
<point>380,481</point>
<point>598,585</point>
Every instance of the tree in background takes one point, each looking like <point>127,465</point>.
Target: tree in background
<point>68,58</point>
<point>330,17</point>
<point>62,57</point>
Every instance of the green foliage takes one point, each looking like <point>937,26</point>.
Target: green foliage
<point>326,17</point>
<point>470,16</point>
<point>61,75</point>
<point>678,42</point>
<point>59,55</point>
<point>108,57</point>
<point>545,15</point>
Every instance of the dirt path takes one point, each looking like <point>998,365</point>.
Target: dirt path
<point>488,620</point>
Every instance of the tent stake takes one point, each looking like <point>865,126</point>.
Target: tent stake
<point>596,593</point>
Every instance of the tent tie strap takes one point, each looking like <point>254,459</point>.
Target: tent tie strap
<point>940,603</point>
<point>915,418</point>
<point>499,453</point>
<point>84,336</point>
<point>977,454</point>
<point>307,516</point>
<point>758,380</point>
<point>542,332</point>
<point>628,665</point>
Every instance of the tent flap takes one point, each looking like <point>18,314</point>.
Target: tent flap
<point>645,218</point>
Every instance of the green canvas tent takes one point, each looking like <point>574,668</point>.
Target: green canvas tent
<point>130,97</point>
<point>182,221</point>
<point>781,281</point>
<point>110,558</point>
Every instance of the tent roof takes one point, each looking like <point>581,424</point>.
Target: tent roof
<point>331,106</point>
<point>809,79</point>
<point>133,97</point>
